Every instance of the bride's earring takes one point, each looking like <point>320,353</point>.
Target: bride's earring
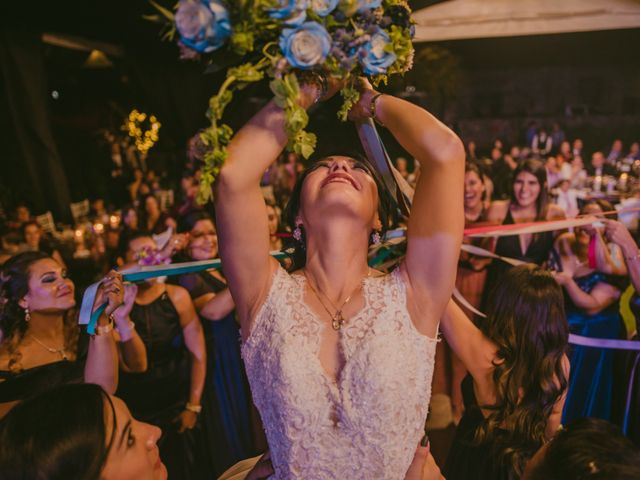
<point>375,238</point>
<point>297,232</point>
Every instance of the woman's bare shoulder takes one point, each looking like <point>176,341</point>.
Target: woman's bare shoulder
<point>498,210</point>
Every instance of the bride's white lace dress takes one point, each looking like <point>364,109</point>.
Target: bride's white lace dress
<point>366,426</point>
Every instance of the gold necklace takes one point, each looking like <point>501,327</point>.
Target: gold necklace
<point>59,351</point>
<point>337,319</point>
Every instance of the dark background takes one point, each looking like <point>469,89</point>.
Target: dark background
<point>51,152</point>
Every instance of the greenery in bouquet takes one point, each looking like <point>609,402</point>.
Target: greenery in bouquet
<point>281,39</point>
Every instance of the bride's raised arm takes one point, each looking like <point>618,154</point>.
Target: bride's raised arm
<point>437,216</point>
<point>240,209</point>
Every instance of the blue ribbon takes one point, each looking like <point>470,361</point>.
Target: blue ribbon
<point>89,317</point>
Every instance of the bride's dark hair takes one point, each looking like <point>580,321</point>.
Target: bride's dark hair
<point>527,323</point>
<point>387,210</point>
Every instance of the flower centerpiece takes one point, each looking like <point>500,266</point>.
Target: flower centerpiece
<point>344,39</point>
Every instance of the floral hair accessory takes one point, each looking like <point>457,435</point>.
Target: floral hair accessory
<point>148,256</point>
<point>279,39</point>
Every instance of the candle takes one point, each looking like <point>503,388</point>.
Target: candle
<point>597,183</point>
<point>623,181</point>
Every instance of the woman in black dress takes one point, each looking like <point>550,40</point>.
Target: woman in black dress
<point>229,388</point>
<point>528,204</point>
<point>518,376</point>
<point>169,393</point>
<point>42,345</point>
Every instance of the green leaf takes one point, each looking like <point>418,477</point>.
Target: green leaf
<point>247,72</point>
<point>348,7</point>
<point>218,103</point>
<point>296,120</point>
<point>153,18</point>
<point>168,14</point>
<point>305,144</point>
<point>350,96</point>
<point>242,39</point>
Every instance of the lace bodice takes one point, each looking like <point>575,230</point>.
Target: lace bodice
<point>368,424</point>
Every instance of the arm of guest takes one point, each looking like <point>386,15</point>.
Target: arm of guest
<point>618,233</point>
<point>605,261</point>
<point>132,354</point>
<point>101,366</point>
<point>476,352</point>
<point>215,306</point>
<point>592,303</point>
<point>193,339</point>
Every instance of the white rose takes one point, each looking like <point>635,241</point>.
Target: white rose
<point>307,48</point>
<point>192,17</point>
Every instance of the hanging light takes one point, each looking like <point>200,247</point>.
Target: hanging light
<point>97,59</point>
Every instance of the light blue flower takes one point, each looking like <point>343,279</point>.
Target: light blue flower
<point>293,12</point>
<point>374,57</point>
<point>324,7</point>
<point>203,24</point>
<point>305,46</point>
<point>364,5</point>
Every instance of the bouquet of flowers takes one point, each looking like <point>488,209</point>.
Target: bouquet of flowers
<point>344,39</point>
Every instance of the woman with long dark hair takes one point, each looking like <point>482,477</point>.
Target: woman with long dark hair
<point>78,432</point>
<point>340,357</point>
<point>42,344</point>
<point>518,377</point>
<point>528,203</point>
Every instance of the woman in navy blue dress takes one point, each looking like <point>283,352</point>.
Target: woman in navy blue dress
<point>592,293</point>
<point>234,439</point>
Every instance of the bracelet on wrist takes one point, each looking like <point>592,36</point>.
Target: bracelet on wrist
<point>126,332</point>
<point>193,408</point>
<point>632,258</point>
<point>372,108</point>
<point>105,329</point>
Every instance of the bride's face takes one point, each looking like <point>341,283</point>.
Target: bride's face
<point>340,186</point>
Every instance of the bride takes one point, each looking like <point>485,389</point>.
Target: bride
<point>340,357</point>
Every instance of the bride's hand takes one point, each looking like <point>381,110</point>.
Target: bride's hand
<point>318,87</point>
<point>362,109</point>
<point>423,466</point>
<point>262,469</point>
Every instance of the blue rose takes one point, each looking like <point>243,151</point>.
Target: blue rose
<point>324,7</point>
<point>374,57</point>
<point>293,12</point>
<point>305,46</point>
<point>203,24</point>
<point>364,5</point>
